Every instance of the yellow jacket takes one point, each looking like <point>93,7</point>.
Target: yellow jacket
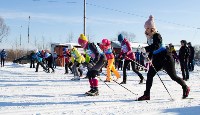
<point>76,56</point>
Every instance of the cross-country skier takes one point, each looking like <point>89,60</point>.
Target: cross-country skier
<point>106,47</point>
<point>129,56</point>
<point>39,58</point>
<point>99,60</point>
<point>161,59</point>
<point>78,59</point>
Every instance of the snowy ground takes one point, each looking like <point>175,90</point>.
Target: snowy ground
<point>24,92</point>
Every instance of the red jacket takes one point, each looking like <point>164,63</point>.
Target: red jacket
<point>127,50</point>
<point>66,55</point>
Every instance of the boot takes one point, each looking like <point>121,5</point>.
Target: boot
<point>146,96</point>
<point>94,92</point>
<point>141,81</point>
<point>91,88</point>
<point>124,80</point>
<point>186,91</point>
<point>75,78</point>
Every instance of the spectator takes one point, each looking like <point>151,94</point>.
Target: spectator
<point>183,57</point>
<point>32,59</point>
<point>55,56</point>
<point>3,57</point>
<point>191,57</point>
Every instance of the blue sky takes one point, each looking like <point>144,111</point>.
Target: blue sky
<point>56,20</point>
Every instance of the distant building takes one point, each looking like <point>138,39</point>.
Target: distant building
<point>58,47</point>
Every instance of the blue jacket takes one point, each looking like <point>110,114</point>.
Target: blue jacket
<point>3,54</point>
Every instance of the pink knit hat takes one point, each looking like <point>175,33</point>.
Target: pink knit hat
<point>150,23</point>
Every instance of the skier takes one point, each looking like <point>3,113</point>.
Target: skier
<point>67,57</point>
<point>39,58</point>
<point>3,57</point>
<point>49,59</point>
<point>129,56</point>
<point>161,59</point>
<point>99,60</point>
<point>106,47</point>
<point>77,59</point>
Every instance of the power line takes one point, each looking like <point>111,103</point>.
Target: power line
<point>133,14</point>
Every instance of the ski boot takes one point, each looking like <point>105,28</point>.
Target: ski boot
<point>141,81</point>
<point>86,93</point>
<point>123,82</point>
<point>186,92</point>
<point>94,92</point>
<point>75,79</point>
<point>146,96</point>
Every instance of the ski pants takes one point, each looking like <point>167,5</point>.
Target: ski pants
<point>110,67</point>
<point>160,61</point>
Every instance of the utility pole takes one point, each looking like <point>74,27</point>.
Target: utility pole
<point>43,42</point>
<point>20,38</point>
<point>84,18</point>
<point>28,27</point>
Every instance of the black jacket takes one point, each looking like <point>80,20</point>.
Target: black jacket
<point>184,53</point>
<point>157,42</point>
<point>191,52</point>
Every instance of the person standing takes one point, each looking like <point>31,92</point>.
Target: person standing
<point>183,58</point>
<point>129,56</point>
<point>106,47</point>
<point>160,59</point>
<point>137,56</point>
<point>3,57</point>
<point>55,56</point>
<point>98,61</point>
<point>191,57</point>
<point>32,59</point>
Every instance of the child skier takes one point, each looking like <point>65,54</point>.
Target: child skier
<point>106,47</point>
<point>129,56</point>
<point>78,59</point>
<point>99,60</point>
<point>161,59</point>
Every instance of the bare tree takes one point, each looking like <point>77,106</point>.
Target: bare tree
<point>70,37</point>
<point>4,29</point>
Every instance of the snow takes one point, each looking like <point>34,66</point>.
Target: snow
<point>25,92</point>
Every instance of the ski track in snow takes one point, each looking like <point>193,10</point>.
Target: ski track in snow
<point>25,92</point>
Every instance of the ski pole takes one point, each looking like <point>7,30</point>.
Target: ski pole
<point>122,85</point>
<point>105,83</point>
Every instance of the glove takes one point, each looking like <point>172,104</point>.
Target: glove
<point>143,50</point>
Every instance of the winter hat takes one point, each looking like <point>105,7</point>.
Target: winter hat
<point>82,39</point>
<point>189,43</point>
<point>184,42</point>
<point>64,49</point>
<point>150,23</point>
<point>120,38</point>
<point>105,42</point>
